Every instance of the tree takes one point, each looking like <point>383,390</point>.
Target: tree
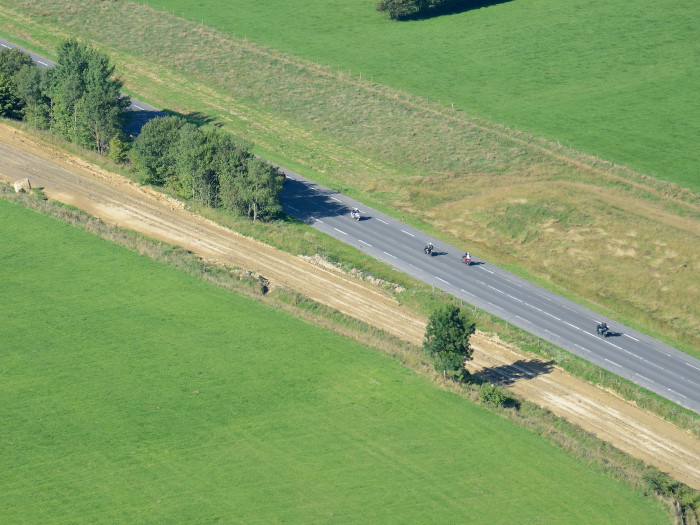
<point>11,62</point>
<point>447,340</point>
<point>153,154</point>
<point>258,189</point>
<point>403,9</point>
<point>32,86</point>
<point>10,104</point>
<point>86,99</point>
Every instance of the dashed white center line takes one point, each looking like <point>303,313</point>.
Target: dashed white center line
<point>643,377</point>
<point>338,200</point>
<point>691,366</point>
<point>387,253</point>
<point>582,348</point>
<point>571,325</point>
<point>495,305</point>
<point>633,338</point>
<point>139,107</point>
<point>3,45</point>
<point>485,269</point>
<point>382,221</point>
<point>363,242</point>
<point>613,362</point>
<point>341,231</point>
<point>408,233</point>
<point>493,288</point>
<point>612,344</point>
<point>550,315</point>
<point>443,280</point>
<point>42,63</point>
<point>514,298</point>
<point>462,289</point>
<point>522,318</point>
<point>318,220</point>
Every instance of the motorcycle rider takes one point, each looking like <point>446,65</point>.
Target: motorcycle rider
<point>429,248</point>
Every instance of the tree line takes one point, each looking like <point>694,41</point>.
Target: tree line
<point>208,166</point>
<point>80,100</point>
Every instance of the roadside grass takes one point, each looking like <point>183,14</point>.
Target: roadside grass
<point>414,159</point>
<point>142,392</point>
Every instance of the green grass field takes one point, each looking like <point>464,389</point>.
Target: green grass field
<point>136,393</point>
<point>612,78</point>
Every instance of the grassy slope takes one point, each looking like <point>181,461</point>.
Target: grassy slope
<point>616,79</point>
<point>133,392</point>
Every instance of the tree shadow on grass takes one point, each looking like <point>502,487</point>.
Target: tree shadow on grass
<point>452,8</point>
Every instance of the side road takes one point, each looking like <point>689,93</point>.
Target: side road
<point>122,202</point>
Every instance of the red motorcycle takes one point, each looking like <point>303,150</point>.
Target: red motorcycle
<point>467,259</point>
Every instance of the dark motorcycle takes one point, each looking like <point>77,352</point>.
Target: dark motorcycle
<point>428,249</point>
<point>602,329</point>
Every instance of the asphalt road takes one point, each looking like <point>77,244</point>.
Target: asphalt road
<point>625,352</point>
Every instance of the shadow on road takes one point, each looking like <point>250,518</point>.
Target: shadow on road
<point>520,370</point>
<point>308,202</point>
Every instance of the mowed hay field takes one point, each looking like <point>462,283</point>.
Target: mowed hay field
<point>135,393</point>
<point>619,241</point>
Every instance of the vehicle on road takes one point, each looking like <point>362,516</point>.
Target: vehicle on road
<point>428,248</point>
<point>602,329</point>
<point>355,214</point>
<point>467,259</point>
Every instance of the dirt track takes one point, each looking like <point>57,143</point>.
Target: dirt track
<point>119,201</point>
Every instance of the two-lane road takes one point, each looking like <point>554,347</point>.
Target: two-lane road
<point>625,352</point>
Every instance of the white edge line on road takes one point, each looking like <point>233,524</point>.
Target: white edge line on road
<point>394,256</point>
<point>341,231</point>
<point>443,280</point>
<point>42,63</point>
<point>485,269</point>
<point>3,45</point>
<point>408,233</point>
<point>382,221</point>
<point>643,377</point>
<point>633,338</point>
<point>335,199</point>
<point>676,393</point>
<point>139,107</point>
<point>363,242</point>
